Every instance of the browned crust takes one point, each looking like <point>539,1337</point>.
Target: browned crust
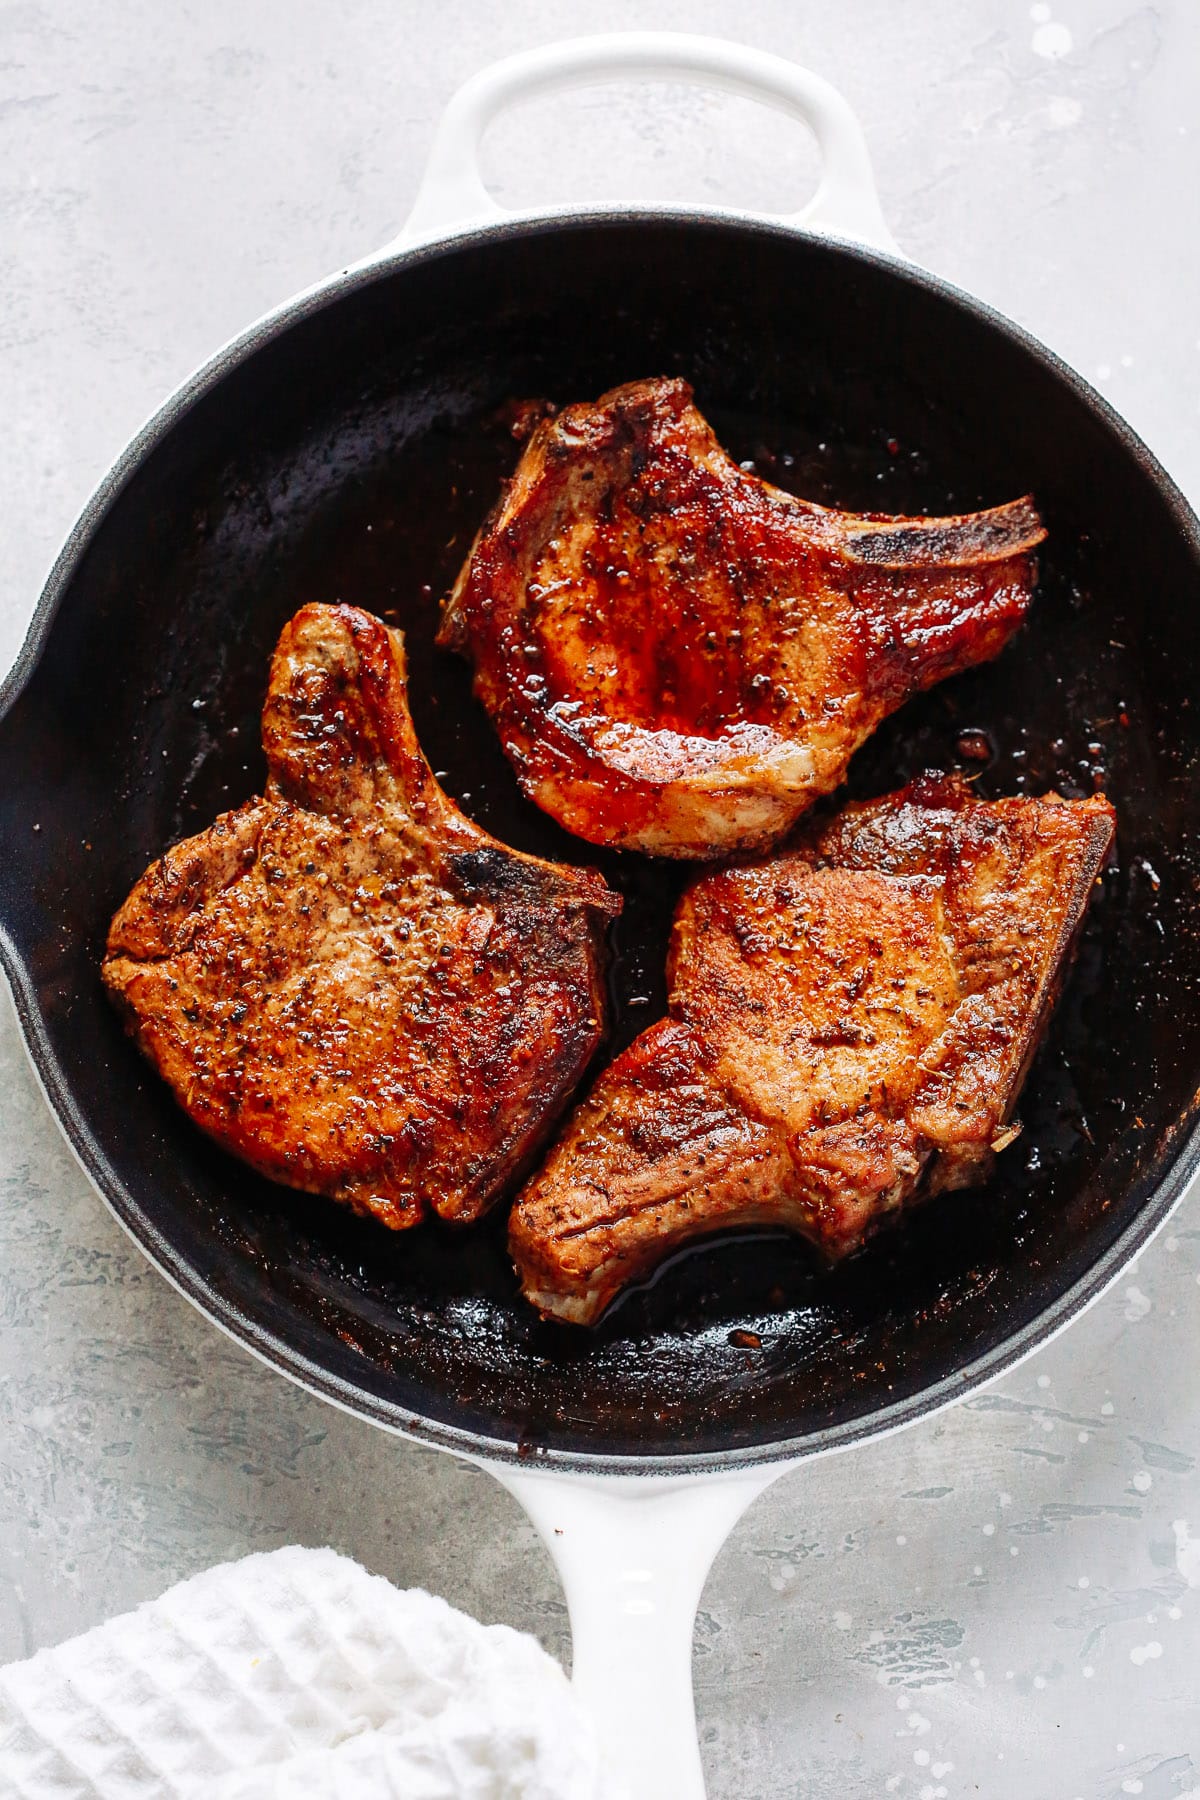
<point>851,1024</point>
<point>347,983</point>
<point>680,658</point>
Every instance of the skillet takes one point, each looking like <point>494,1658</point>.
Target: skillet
<point>345,448</point>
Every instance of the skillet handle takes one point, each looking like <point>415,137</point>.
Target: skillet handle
<point>633,1554</point>
<point>453,198</point>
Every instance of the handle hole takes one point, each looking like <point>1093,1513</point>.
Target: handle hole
<point>659,142</point>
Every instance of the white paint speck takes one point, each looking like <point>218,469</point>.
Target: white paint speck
<point>1047,1424</point>
<point>1063,111</point>
<point>1174,1612</point>
<point>1008,1674</point>
<point>1127,363</point>
<point>903,1702</point>
<point>1187,1553</point>
<point>940,1769</point>
<point>1103,371</point>
<point>1137,1304</point>
<point>989,1530</point>
<point>1052,40</point>
<point>1108,1409</point>
<point>901,1539</point>
<point>1144,1653</point>
<point>843,1620</point>
<point>1013,1551</point>
<point>1084,1436</point>
<point>1039,1681</point>
<point>921,1758</point>
<point>978,1569</point>
<point>1143,1481</point>
<point>1088,1672</point>
<point>1043,1381</point>
<point>980,1678</point>
<point>892,1783</point>
<point>1084,1581</point>
<point>1006,1499</point>
<point>1040,14</point>
<point>1132,1786</point>
<point>917,1725</point>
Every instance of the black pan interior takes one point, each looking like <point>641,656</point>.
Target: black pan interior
<point>351,457</point>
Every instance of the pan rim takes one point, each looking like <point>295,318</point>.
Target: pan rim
<point>232,1320</point>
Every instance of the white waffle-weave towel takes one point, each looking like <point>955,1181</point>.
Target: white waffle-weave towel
<point>293,1676</point>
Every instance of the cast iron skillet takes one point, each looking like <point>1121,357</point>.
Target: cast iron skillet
<point>346,449</point>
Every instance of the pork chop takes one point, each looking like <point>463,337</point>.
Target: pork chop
<point>850,1023</point>
<point>346,982</point>
<point>680,658</point>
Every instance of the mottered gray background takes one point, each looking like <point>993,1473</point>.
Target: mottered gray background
<point>1003,1601</point>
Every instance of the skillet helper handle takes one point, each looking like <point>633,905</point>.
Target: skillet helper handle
<point>452,196</point>
<point>633,1554</point>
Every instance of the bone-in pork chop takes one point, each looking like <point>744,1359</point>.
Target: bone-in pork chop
<point>680,658</point>
<point>346,982</point>
<point>850,1020</point>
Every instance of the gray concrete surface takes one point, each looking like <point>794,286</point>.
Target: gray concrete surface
<point>1003,1602</point>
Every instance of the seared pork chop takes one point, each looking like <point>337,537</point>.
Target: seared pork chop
<point>850,1019</point>
<point>346,982</point>
<point>680,658</point>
